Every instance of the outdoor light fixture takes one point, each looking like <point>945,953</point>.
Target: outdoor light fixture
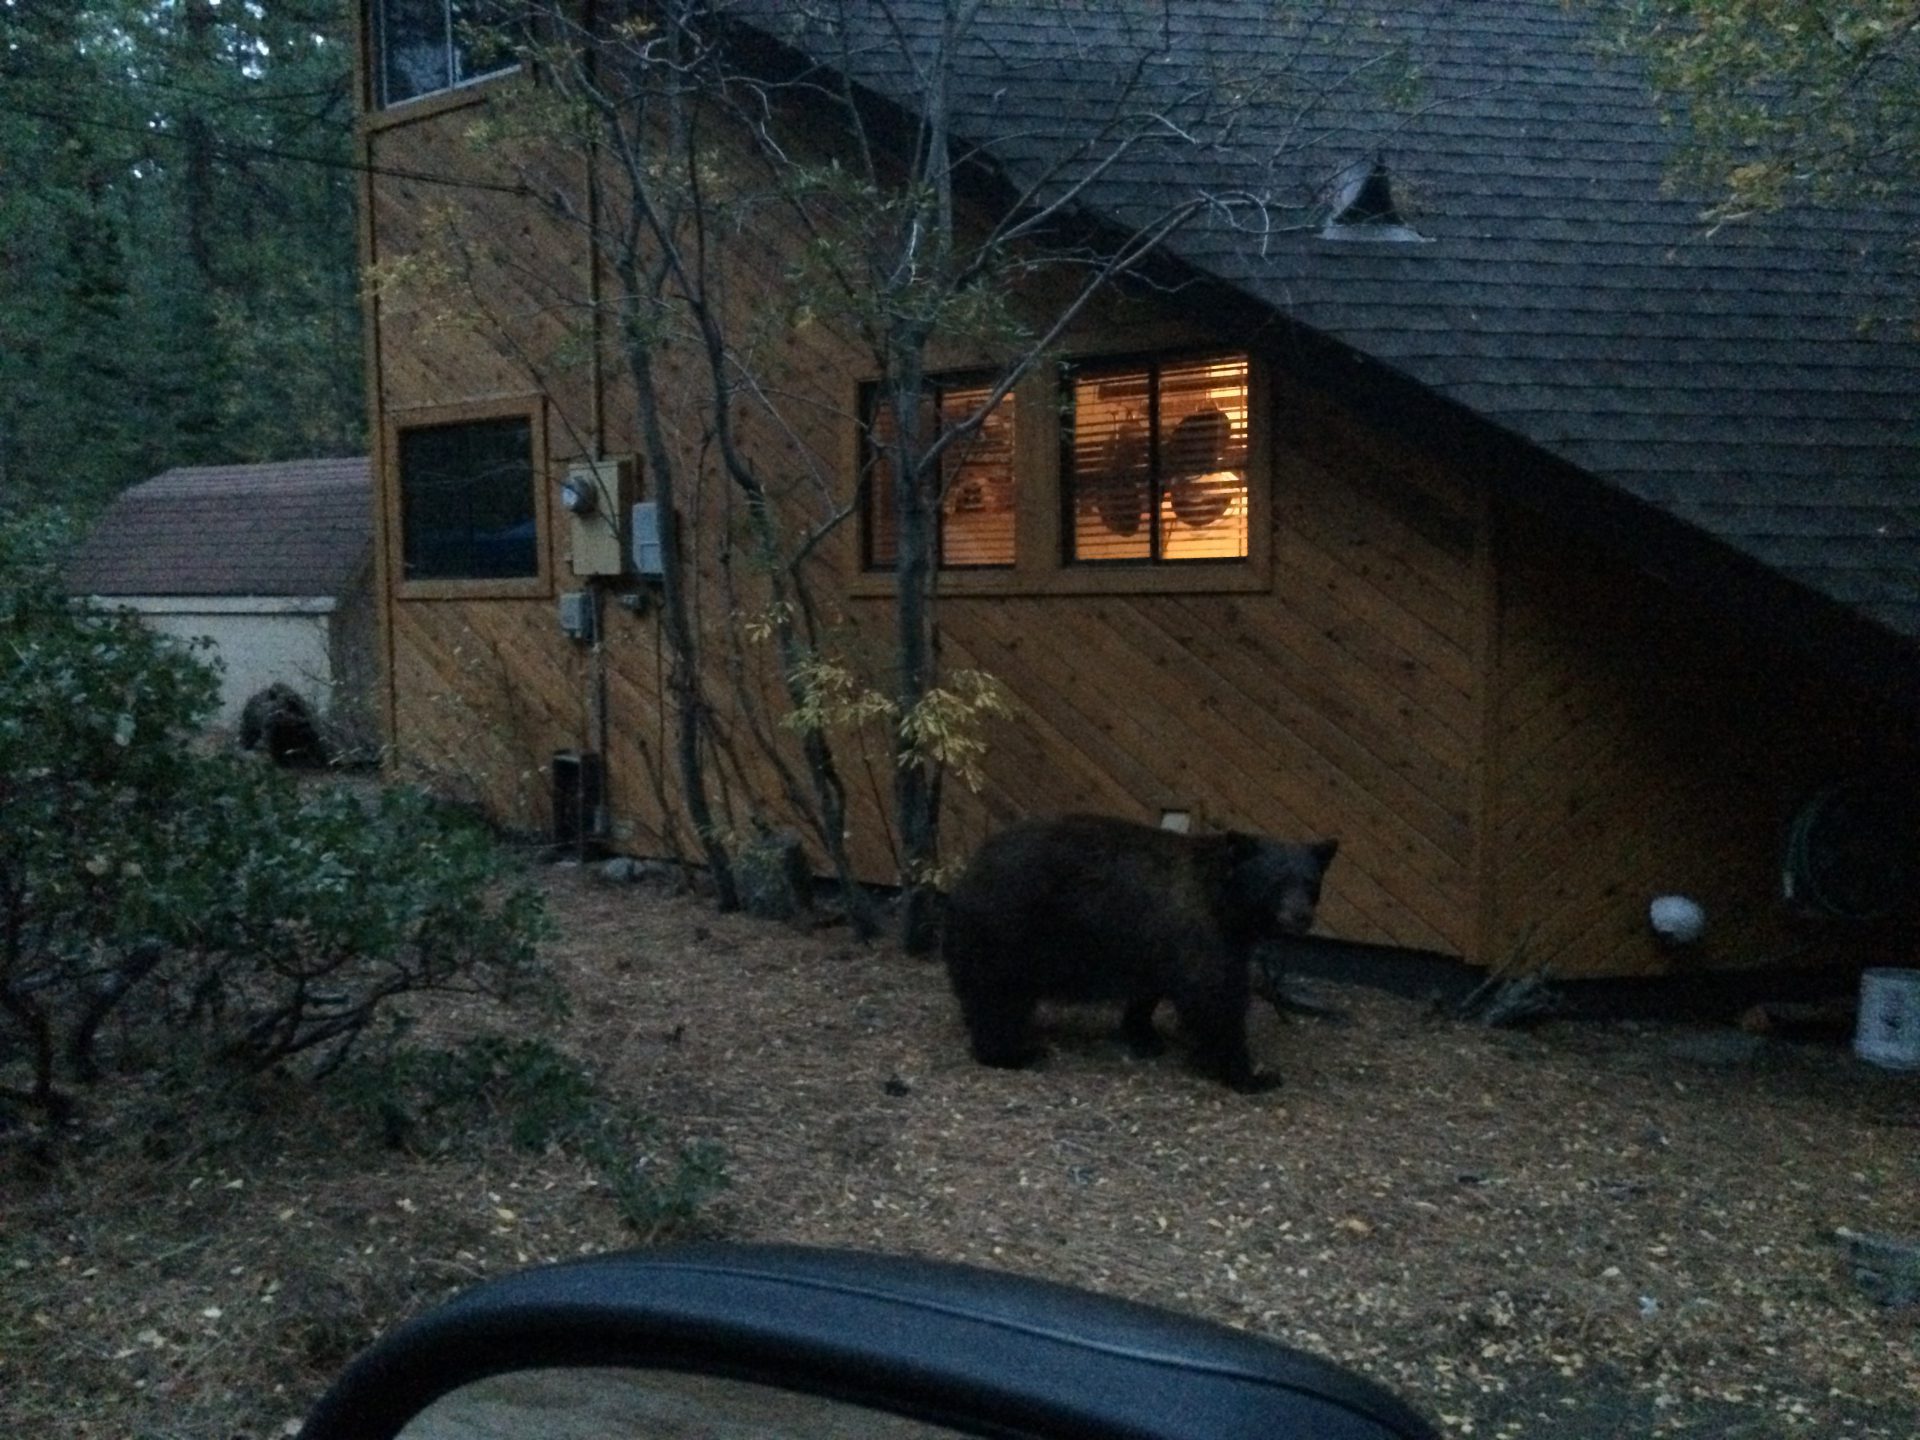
<point>1676,919</point>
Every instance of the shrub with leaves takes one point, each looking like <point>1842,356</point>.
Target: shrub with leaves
<point>433,1100</point>
<point>290,915</point>
<point>148,890</point>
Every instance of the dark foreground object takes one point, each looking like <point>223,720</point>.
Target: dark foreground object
<point>1088,908</point>
<point>974,1351</point>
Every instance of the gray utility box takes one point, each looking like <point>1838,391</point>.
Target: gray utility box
<point>576,615</point>
<point>648,559</point>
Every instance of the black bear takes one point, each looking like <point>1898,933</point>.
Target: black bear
<point>1088,908</point>
<point>279,720</point>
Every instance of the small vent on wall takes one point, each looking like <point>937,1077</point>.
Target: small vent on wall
<point>578,815</point>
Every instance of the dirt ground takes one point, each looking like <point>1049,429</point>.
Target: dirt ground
<point>1580,1231</point>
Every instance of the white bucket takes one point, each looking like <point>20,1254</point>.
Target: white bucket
<point>1889,1030</point>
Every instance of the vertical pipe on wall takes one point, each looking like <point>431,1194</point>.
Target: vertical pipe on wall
<point>597,423</point>
<point>1486,759</point>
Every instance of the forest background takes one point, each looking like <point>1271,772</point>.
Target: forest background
<point>178,266</point>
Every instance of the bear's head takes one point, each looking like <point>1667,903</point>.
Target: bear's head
<point>1276,883</point>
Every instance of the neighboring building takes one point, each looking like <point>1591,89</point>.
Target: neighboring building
<point>271,563</point>
<point>1551,550</point>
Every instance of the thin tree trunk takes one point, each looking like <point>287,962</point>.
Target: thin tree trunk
<point>196,138</point>
<point>28,1015</point>
<point>916,782</point>
<point>829,791</point>
<point>683,682</point>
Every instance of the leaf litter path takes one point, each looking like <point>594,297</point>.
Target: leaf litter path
<point>1578,1232</point>
<point>1572,1232</point>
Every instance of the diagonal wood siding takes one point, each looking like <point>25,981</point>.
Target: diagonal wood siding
<point>1644,749</point>
<point>1343,703</point>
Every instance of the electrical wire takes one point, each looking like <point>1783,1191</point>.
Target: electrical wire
<point>388,172</point>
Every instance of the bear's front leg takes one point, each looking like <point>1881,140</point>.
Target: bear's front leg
<point>1212,1006</point>
<point>1000,1029</point>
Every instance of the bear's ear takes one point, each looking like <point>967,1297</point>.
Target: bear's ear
<point>1324,853</point>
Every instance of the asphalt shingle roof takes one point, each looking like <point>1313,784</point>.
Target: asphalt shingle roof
<point>1758,381</point>
<point>298,528</point>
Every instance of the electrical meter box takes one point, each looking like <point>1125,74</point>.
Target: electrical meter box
<point>597,495</point>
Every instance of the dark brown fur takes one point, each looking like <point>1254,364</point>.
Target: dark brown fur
<point>1090,908</point>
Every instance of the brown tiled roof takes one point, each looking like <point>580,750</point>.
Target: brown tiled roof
<point>299,527</point>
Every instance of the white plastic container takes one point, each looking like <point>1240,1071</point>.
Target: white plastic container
<point>1888,1033</point>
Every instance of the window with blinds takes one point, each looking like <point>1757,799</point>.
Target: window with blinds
<point>976,512</point>
<point>1154,462</point>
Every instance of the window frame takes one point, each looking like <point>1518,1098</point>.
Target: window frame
<point>538,585</point>
<point>1039,566</point>
<point>380,109</point>
<point>937,387</point>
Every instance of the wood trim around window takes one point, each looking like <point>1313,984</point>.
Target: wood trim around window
<point>521,587</point>
<point>1040,566</point>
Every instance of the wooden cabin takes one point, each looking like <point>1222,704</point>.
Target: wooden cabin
<point>1552,553</point>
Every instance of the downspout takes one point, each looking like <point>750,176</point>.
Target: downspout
<point>602,820</point>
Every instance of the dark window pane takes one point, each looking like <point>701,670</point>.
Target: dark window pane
<point>430,45</point>
<point>412,41</point>
<point>484,32</point>
<point>466,501</point>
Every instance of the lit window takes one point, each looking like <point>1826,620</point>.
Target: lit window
<point>466,501</point>
<point>976,514</point>
<point>424,46</point>
<point>1155,461</point>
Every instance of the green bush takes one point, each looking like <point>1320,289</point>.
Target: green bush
<point>435,1100</point>
<point>159,893</point>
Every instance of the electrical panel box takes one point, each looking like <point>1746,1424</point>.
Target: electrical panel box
<point>576,615</point>
<point>648,559</point>
<point>597,494</point>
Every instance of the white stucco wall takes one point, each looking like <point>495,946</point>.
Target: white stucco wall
<point>260,640</point>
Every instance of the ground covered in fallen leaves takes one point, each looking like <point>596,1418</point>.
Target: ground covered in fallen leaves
<point>1582,1231</point>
